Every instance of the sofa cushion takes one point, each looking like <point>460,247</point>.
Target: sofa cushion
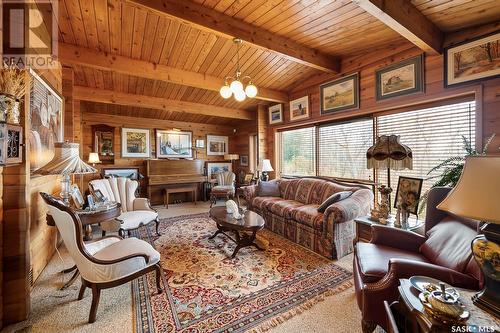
<point>269,189</point>
<point>448,244</point>
<point>261,203</point>
<point>308,215</point>
<point>132,220</point>
<point>373,259</point>
<point>333,199</point>
<point>283,207</point>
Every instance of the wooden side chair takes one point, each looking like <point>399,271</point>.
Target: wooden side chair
<point>136,212</point>
<point>118,263</point>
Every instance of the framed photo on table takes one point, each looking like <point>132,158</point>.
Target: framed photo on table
<point>339,95</point>
<point>76,197</point>
<point>135,142</point>
<point>408,193</point>
<point>174,144</point>
<point>472,60</point>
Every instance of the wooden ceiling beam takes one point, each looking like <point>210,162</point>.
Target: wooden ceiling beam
<point>119,98</point>
<point>75,55</point>
<point>211,20</point>
<point>403,17</point>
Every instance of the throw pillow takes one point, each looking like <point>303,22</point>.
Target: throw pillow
<point>269,189</point>
<point>333,199</point>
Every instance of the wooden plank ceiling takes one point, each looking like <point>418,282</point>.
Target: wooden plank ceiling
<point>339,28</point>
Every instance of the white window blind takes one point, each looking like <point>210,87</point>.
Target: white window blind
<point>298,157</point>
<point>433,135</point>
<point>342,149</point>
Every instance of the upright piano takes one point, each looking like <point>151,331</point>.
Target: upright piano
<point>162,174</point>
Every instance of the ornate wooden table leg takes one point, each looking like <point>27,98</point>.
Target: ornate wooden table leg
<point>67,270</point>
<point>88,233</point>
<point>71,280</point>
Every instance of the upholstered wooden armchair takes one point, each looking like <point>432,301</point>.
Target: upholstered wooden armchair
<point>225,186</point>
<point>110,266</point>
<point>136,212</point>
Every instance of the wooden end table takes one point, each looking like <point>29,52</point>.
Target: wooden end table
<point>245,229</point>
<point>414,318</point>
<point>364,230</point>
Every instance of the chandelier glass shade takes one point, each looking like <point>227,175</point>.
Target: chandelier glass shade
<point>234,85</point>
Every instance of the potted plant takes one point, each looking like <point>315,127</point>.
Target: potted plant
<point>13,83</point>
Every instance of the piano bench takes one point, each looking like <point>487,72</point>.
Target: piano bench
<point>185,189</point>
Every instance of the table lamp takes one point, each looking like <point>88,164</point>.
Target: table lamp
<point>94,159</point>
<point>66,162</point>
<point>264,168</point>
<point>388,153</point>
<point>477,196</point>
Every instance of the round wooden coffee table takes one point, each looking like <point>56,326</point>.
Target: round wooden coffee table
<point>244,229</point>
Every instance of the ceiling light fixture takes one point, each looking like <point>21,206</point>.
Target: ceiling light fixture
<point>236,86</point>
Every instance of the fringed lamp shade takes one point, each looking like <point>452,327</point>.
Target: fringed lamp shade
<point>66,161</point>
<point>389,153</point>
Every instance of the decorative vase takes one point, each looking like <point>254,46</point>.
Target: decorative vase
<point>9,109</point>
<point>487,254</point>
<point>384,207</point>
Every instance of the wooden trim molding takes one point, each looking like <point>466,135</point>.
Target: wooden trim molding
<point>119,98</point>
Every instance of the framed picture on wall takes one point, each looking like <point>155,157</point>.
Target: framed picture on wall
<point>135,142</point>
<point>132,173</point>
<point>216,167</point>
<point>276,114</point>
<point>46,122</point>
<point>200,143</point>
<point>472,60</point>
<point>217,145</point>
<point>244,160</point>
<point>405,77</point>
<point>408,193</point>
<point>339,95</point>
<point>299,108</point>
<point>174,144</point>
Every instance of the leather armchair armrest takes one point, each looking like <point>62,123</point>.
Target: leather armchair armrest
<point>142,204</point>
<point>397,238</point>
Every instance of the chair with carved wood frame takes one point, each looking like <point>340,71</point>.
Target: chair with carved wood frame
<point>118,263</point>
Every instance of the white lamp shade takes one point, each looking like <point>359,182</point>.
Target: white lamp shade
<point>236,86</point>
<point>265,166</point>
<point>477,193</point>
<point>66,161</point>
<point>251,90</point>
<point>225,92</point>
<point>231,157</point>
<point>94,158</point>
<point>240,95</point>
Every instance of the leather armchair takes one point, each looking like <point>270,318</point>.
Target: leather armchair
<point>136,212</point>
<point>444,253</point>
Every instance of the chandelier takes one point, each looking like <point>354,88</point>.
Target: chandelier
<point>236,85</point>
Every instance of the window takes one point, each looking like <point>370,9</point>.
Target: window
<point>298,156</point>
<point>339,149</point>
<point>342,149</point>
<point>432,134</point>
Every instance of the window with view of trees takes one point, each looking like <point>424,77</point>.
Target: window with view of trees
<point>298,156</point>
<point>433,134</point>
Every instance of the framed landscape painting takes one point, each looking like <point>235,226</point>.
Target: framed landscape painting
<point>405,77</point>
<point>299,108</point>
<point>217,145</point>
<point>244,160</point>
<point>473,60</point>
<point>276,114</point>
<point>135,142</point>
<point>46,122</point>
<point>216,167</point>
<point>174,144</point>
<point>341,94</point>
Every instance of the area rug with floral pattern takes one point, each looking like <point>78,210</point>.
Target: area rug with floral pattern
<point>205,290</point>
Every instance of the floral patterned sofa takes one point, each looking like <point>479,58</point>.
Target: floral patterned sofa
<point>294,214</point>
